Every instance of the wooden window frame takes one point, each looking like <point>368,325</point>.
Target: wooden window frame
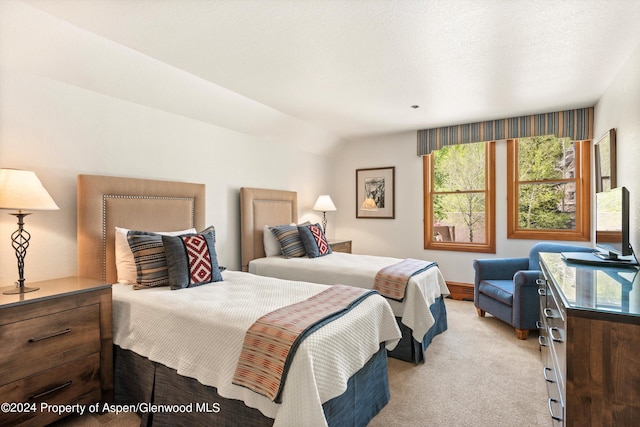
<point>582,179</point>
<point>489,246</point>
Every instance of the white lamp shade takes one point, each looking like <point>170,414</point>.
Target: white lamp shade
<point>324,204</point>
<point>22,190</point>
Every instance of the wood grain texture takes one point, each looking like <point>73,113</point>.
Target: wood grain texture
<point>603,376</point>
<point>340,246</point>
<point>57,347</point>
<point>592,356</point>
<point>460,291</point>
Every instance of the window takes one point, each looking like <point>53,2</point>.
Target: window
<point>548,189</point>
<point>459,201</point>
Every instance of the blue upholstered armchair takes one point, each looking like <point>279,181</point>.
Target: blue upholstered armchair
<point>507,289</point>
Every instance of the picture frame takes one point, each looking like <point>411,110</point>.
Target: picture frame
<point>605,161</point>
<point>375,193</point>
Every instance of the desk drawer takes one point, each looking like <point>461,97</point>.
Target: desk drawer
<point>33,345</point>
<point>555,320</point>
<point>73,382</point>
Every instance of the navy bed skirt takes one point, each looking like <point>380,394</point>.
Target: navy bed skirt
<point>411,350</point>
<point>139,380</point>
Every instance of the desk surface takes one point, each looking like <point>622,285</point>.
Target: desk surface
<point>594,288</point>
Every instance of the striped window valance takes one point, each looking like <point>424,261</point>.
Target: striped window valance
<point>575,124</point>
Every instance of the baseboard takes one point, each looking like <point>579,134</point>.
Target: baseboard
<point>460,291</point>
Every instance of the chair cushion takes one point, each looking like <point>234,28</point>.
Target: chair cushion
<point>500,290</point>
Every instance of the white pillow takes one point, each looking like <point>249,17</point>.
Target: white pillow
<point>271,244</point>
<point>270,241</point>
<point>125,265</point>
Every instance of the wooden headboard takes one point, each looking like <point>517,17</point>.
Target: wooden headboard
<point>260,207</point>
<point>106,202</point>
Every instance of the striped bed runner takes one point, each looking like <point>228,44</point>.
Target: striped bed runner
<point>271,342</point>
<point>391,281</point>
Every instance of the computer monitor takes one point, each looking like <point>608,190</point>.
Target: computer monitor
<point>612,223</point>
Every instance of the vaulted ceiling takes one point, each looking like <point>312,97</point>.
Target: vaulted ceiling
<point>355,68</point>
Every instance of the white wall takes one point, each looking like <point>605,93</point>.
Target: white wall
<point>72,103</point>
<point>403,237</point>
<point>619,108</point>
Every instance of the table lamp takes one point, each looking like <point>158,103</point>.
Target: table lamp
<point>324,204</point>
<point>22,190</point>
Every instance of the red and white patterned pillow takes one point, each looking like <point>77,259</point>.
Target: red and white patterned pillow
<point>192,259</point>
<point>314,240</point>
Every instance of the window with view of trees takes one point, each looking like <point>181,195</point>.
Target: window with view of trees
<point>548,188</point>
<point>459,201</point>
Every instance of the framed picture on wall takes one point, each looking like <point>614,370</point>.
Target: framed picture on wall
<point>375,193</point>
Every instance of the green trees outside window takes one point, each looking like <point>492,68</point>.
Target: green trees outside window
<point>548,193</point>
<point>548,188</point>
<point>459,190</point>
<point>459,200</point>
<point>547,197</point>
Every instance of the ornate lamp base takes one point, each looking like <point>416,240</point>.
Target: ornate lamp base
<point>19,290</point>
<point>20,242</point>
<point>324,222</point>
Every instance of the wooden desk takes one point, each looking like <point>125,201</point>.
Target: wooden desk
<point>590,342</point>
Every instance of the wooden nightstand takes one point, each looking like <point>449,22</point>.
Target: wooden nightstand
<point>460,291</point>
<point>56,348</point>
<point>340,245</point>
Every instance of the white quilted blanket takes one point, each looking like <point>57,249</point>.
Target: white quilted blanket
<point>200,331</point>
<point>360,270</point>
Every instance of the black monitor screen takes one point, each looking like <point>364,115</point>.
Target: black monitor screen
<point>612,221</point>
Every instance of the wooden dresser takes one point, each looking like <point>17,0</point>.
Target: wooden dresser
<point>56,349</point>
<point>590,343</point>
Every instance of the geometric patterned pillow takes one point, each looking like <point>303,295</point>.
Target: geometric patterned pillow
<point>314,240</point>
<point>148,254</point>
<point>125,264</point>
<point>289,240</point>
<point>192,259</point>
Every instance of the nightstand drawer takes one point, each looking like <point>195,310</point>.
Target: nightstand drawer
<point>31,345</point>
<point>74,382</point>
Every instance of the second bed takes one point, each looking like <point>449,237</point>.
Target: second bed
<point>421,315</point>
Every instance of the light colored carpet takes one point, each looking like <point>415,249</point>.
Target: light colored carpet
<point>476,374</point>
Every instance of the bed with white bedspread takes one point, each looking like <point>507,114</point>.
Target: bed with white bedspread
<point>423,289</point>
<point>421,315</point>
<point>153,322</point>
<point>180,347</point>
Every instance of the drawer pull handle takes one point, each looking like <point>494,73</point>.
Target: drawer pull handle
<point>553,416</point>
<point>51,390</point>
<point>556,339</point>
<point>55,334</point>
<point>548,313</point>
<point>542,341</point>
<point>544,374</point>
<point>542,292</point>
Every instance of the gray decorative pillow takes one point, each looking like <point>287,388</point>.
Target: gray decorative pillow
<point>289,240</point>
<point>148,254</point>
<point>314,241</point>
<point>192,259</point>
